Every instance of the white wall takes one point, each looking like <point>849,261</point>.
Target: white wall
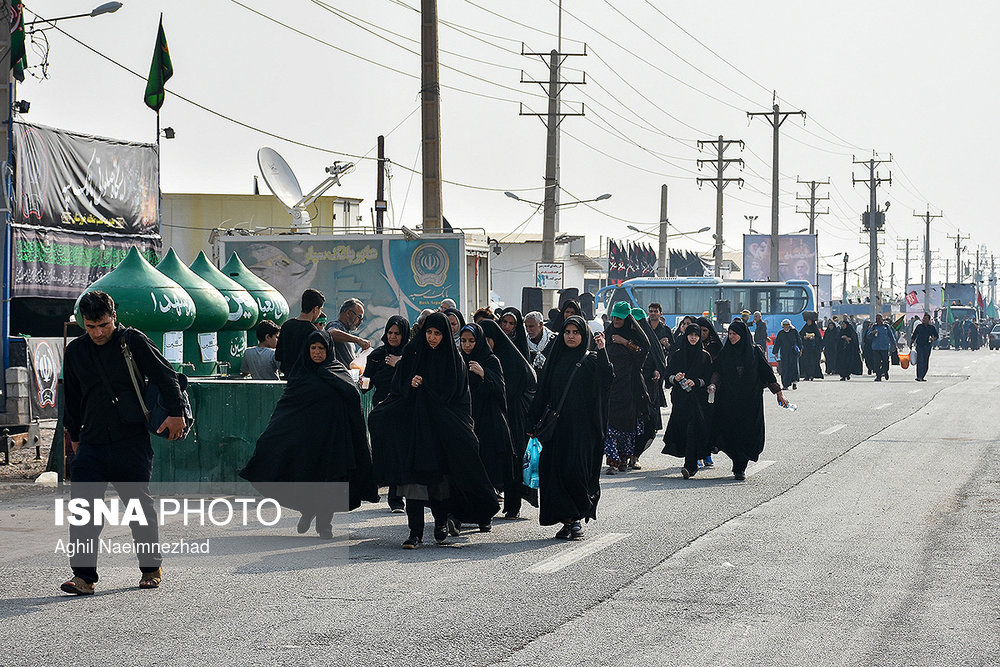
<point>514,269</point>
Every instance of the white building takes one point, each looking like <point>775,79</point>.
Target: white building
<point>516,266</point>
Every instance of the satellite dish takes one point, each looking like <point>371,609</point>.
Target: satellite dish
<point>279,177</point>
<point>281,181</point>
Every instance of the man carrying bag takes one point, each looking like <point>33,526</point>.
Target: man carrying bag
<point>107,427</point>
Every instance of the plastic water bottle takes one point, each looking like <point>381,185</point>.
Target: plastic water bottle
<point>791,406</point>
<point>711,396</point>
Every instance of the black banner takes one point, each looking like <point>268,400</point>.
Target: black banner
<point>80,182</point>
<point>56,264</point>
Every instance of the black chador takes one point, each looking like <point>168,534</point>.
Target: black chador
<point>848,351</point>
<point>316,434</point>
<point>687,432</point>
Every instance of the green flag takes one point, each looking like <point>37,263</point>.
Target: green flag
<point>18,59</point>
<point>159,71</point>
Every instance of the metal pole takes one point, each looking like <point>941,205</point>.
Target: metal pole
<point>430,89</point>
<point>872,244</point>
<point>845,279</point>
<point>663,266</point>
<point>719,185</point>
<point>380,187</point>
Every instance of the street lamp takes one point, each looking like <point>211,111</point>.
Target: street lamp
<point>751,219</point>
<point>106,8</point>
<point>700,231</point>
<point>560,205</point>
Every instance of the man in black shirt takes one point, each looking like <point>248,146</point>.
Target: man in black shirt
<point>923,339</point>
<point>107,431</point>
<point>660,328</point>
<point>294,332</point>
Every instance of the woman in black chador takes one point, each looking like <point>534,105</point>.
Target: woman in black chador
<point>812,345</point>
<point>831,342</point>
<point>380,368</point>
<point>848,351</point>
<point>512,323</point>
<point>688,375</point>
<point>520,381</point>
<point>629,405</point>
<point>569,468</point>
<point>709,337</point>
<point>423,438</point>
<point>788,348</point>
<point>654,371</point>
<point>741,374</point>
<point>316,436</point>
<point>489,407</point>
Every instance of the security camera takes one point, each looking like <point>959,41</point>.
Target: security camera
<point>409,234</point>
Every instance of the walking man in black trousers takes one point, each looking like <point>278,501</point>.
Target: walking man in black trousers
<point>107,430</point>
<point>924,337</point>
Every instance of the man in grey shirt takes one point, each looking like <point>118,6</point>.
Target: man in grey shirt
<point>259,362</point>
<point>345,344</point>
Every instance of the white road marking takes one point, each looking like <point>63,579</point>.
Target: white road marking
<point>914,391</point>
<point>758,466</point>
<point>833,429</point>
<point>574,554</point>
<point>883,406</point>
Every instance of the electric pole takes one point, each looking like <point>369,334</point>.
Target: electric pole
<point>906,258</point>
<point>775,117</point>
<point>663,265</point>
<point>958,254</point>
<point>380,202</point>
<point>430,112</point>
<point>927,217</point>
<point>720,183</point>
<point>844,301</point>
<point>553,87</point>
<point>993,280</point>
<point>812,199</point>
<point>874,220</point>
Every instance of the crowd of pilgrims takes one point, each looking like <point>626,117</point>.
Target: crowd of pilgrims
<point>455,404</point>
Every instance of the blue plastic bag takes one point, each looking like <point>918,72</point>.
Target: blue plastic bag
<point>529,466</point>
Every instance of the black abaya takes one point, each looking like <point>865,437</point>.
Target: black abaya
<point>686,435</point>
<point>811,348</point>
<point>316,435</point>
<point>848,351</point>
<point>831,342</point>
<point>376,367</point>
<point>570,462</point>
<point>787,346</point>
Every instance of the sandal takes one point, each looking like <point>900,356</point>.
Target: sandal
<point>77,586</point>
<point>151,579</point>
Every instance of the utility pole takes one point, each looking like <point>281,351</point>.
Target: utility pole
<point>906,258</point>
<point>553,87</point>
<point>775,117</point>
<point>874,220</point>
<point>380,202</point>
<point>663,265</point>
<point>947,272</point>
<point>720,183</point>
<point>927,217</point>
<point>430,118</point>
<point>993,279</point>
<point>812,199</point>
<point>958,254</point>
<point>844,297</point>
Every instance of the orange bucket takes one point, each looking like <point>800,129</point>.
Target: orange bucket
<point>904,361</point>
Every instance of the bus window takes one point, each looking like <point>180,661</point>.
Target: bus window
<point>761,298</point>
<point>738,297</point>
<point>696,300</point>
<point>665,296</point>
<point>791,300</point>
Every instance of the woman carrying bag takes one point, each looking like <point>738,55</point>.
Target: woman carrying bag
<point>570,463</point>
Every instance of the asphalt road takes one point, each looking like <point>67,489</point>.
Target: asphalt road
<point>866,535</point>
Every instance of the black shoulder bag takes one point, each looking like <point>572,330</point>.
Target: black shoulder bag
<point>546,426</point>
<point>151,399</point>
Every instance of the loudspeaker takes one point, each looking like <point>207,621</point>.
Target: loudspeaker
<point>587,305</point>
<point>531,299</point>
<point>723,311</point>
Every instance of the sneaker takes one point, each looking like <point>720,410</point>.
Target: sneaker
<point>485,527</point>
<point>510,516</point>
<point>635,466</point>
<point>739,476</point>
<point>565,532</point>
<point>685,473</point>
<point>623,467</point>
<point>397,510</point>
<point>412,542</point>
<point>77,586</point>
<point>612,470</point>
<point>709,463</point>
<point>441,533</point>
<point>795,385</point>
<point>453,527</point>
<point>701,463</point>
<point>304,522</point>
<point>576,531</point>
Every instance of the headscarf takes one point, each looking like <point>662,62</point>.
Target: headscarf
<point>713,345</point>
<point>742,354</point>
<point>329,369</point>
<point>520,336</point>
<point>518,374</point>
<point>681,327</point>
<point>562,355</point>
<point>482,350</point>
<point>404,330</point>
<point>685,350</point>
<point>461,323</point>
<point>558,321</point>
<point>656,354</point>
<point>441,367</point>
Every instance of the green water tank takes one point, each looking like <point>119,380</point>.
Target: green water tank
<point>272,305</point>
<point>201,341</point>
<point>149,301</point>
<point>243,312</point>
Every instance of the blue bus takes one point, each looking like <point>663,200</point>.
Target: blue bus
<point>682,296</point>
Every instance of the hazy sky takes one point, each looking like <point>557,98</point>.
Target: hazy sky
<point>913,79</point>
